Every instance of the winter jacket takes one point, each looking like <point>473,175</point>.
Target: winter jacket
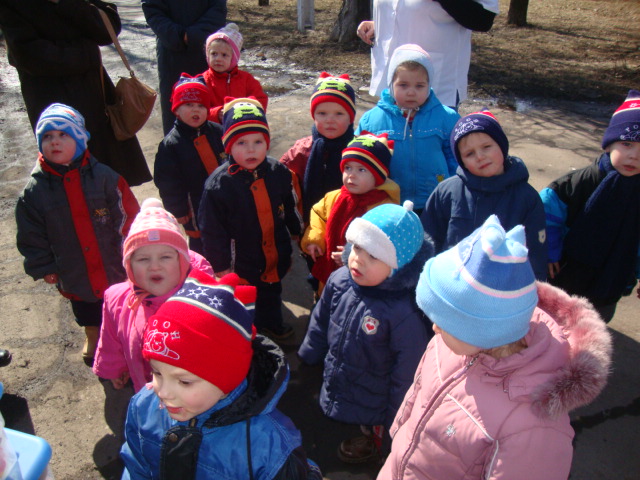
<point>218,439</point>
<point>422,155</point>
<point>124,318</point>
<point>296,158</point>
<point>180,172</point>
<point>171,20</point>
<point>462,203</point>
<point>55,47</point>
<point>370,340</point>
<point>72,222</point>
<point>246,216</point>
<point>235,83</point>
<point>486,418</point>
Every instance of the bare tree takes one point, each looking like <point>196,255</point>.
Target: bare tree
<point>518,13</point>
<point>350,16</point>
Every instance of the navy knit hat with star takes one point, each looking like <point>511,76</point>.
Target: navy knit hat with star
<point>391,233</point>
<point>63,118</point>
<point>625,121</point>
<point>241,116</point>
<point>371,151</point>
<point>483,122</point>
<point>335,89</point>
<point>206,328</point>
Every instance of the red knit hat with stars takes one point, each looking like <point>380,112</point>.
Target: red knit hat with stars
<point>625,121</point>
<point>190,89</point>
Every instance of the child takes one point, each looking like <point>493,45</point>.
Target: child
<point>189,153</point>
<point>417,122</point>
<point>72,217</point>
<point>365,167</point>
<point>510,359</point>
<point>210,412</point>
<point>315,160</point>
<point>247,211</point>
<point>593,217</point>
<point>157,260</point>
<point>368,329</point>
<point>488,181</point>
<point>223,77</point>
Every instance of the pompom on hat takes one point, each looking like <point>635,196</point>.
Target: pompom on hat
<point>483,290</point>
<point>155,226</point>
<point>391,233</point>
<point>337,89</point>
<point>241,116</point>
<point>230,34</point>
<point>483,122</point>
<point>206,328</point>
<point>63,118</point>
<point>624,125</point>
<point>374,152</point>
<point>190,89</point>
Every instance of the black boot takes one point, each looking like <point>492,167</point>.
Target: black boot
<point>5,357</point>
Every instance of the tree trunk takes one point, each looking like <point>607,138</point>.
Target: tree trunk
<point>518,13</point>
<point>350,16</point>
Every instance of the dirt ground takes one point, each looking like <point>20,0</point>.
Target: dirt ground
<point>582,51</point>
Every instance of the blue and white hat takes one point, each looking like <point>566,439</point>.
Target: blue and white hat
<point>389,232</point>
<point>483,290</point>
<point>410,53</point>
<point>65,119</point>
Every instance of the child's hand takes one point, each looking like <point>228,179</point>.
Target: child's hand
<point>314,250</point>
<point>52,278</point>
<point>553,268</point>
<point>337,255</point>
<point>121,381</point>
<point>183,220</point>
<point>221,274</point>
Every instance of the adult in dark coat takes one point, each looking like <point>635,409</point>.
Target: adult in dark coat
<point>55,47</point>
<point>181,29</point>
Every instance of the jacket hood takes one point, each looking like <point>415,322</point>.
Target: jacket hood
<point>515,171</point>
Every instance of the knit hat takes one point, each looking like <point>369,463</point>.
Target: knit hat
<point>155,226</point>
<point>391,233</point>
<point>625,121</point>
<point>334,89</point>
<point>483,122</point>
<point>241,116</point>
<point>410,53</point>
<point>230,34</point>
<point>206,328</point>
<point>483,290</point>
<point>190,89</point>
<point>65,119</point>
<point>372,151</point>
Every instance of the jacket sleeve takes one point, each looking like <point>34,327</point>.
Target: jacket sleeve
<point>126,205</point>
<point>555,211</point>
<point>315,232</point>
<point>200,263</point>
<point>469,13</point>
<point>33,242</point>
<point>292,204</point>
<point>109,362</point>
<point>170,182</point>
<point>136,468</point>
<point>215,239</point>
<point>316,344</point>
<point>535,231</point>
<point>449,155</point>
<point>297,467</point>
<point>435,218</point>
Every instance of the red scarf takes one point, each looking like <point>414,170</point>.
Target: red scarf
<point>346,207</point>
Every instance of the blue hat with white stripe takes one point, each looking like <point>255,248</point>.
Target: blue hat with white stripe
<point>64,119</point>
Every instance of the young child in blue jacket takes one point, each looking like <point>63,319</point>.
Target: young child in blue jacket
<point>413,117</point>
<point>367,328</point>
<point>210,411</point>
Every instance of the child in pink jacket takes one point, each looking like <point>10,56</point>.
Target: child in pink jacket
<point>510,359</point>
<point>157,259</point>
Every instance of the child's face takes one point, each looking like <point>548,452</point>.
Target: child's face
<point>249,150</point>
<point>367,271</point>
<point>182,393</point>
<point>219,56</point>
<point>156,269</point>
<point>481,155</point>
<point>410,87</point>
<point>625,157</point>
<point>357,179</point>
<point>456,346</point>
<point>193,114</point>
<point>331,119</point>
<point>58,147</point>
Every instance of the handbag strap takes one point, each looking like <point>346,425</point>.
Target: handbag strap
<point>114,39</point>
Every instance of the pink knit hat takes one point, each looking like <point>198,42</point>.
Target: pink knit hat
<point>155,226</point>
<point>230,34</point>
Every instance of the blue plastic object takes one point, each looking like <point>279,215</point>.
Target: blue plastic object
<point>33,453</point>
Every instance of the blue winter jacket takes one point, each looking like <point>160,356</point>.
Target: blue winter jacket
<point>462,203</point>
<point>422,155</point>
<point>371,340</point>
<point>160,447</point>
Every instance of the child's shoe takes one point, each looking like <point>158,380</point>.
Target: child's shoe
<point>360,449</point>
<point>90,344</point>
<point>282,332</point>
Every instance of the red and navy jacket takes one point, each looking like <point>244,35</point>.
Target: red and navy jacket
<point>72,222</point>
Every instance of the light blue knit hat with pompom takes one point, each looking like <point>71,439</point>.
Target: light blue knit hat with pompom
<point>483,290</point>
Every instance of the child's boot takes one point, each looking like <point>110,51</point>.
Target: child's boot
<point>361,449</point>
<point>90,344</point>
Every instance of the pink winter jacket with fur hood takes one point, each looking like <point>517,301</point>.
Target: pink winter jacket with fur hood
<point>124,320</point>
<point>486,418</point>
